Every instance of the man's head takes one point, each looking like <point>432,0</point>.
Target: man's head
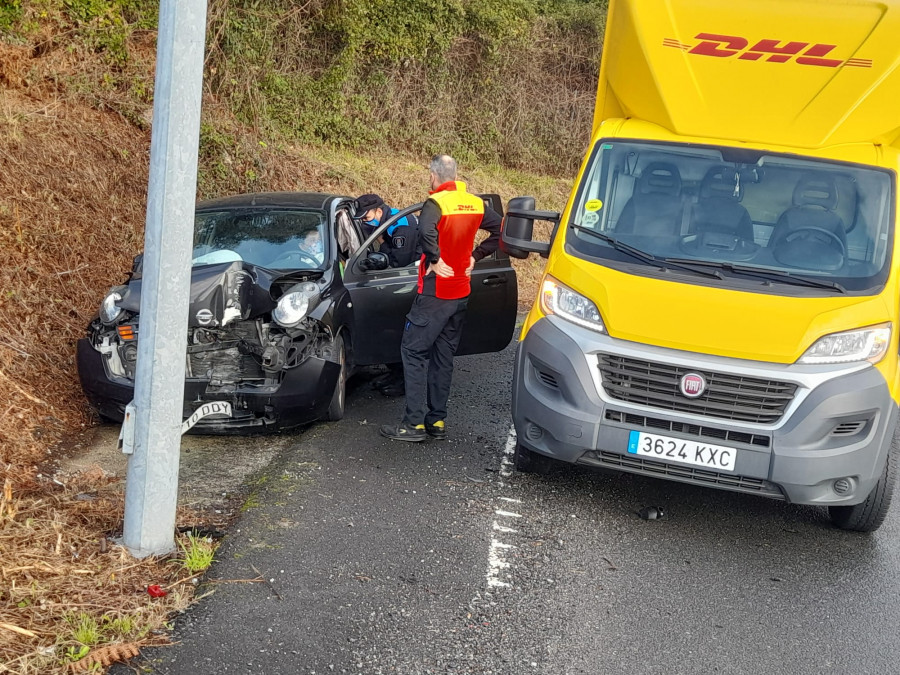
<point>443,170</point>
<point>311,242</point>
<point>369,208</point>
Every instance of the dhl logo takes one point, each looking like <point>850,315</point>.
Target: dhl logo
<point>774,51</point>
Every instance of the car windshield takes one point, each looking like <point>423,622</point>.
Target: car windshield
<point>753,217</point>
<point>273,238</point>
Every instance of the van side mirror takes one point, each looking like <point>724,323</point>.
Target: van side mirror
<point>518,229</point>
<point>375,261</point>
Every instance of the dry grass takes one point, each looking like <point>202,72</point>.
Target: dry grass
<point>73,172</point>
<point>59,570</point>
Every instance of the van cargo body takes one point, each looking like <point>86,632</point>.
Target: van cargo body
<point>720,301</point>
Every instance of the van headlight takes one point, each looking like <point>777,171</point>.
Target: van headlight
<point>569,305</point>
<point>293,307</point>
<point>866,344</point>
<point>109,310</point>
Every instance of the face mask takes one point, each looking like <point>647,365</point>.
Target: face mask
<point>314,247</point>
<point>372,223</point>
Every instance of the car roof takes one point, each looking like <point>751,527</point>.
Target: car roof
<point>310,200</point>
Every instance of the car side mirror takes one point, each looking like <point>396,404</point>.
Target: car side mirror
<point>137,265</point>
<point>374,262</point>
<point>518,228</point>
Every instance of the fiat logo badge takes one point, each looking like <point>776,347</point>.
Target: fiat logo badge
<point>204,317</point>
<point>693,385</point>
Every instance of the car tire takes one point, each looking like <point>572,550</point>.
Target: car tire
<point>868,516</point>
<point>339,397</point>
<point>529,461</point>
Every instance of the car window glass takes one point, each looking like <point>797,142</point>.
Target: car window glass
<point>272,238</point>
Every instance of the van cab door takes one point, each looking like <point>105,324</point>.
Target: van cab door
<point>381,299</point>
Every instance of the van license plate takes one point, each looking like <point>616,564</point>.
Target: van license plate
<point>680,451</point>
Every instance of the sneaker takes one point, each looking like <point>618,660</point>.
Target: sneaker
<point>404,432</point>
<point>437,430</point>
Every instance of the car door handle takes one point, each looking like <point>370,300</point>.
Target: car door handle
<point>494,280</point>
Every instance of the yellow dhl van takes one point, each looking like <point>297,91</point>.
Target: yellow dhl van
<point>720,301</point>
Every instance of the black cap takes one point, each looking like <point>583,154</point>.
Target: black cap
<point>366,203</point>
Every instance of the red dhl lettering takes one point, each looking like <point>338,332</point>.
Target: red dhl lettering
<point>769,50</point>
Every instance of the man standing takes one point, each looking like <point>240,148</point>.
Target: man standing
<point>448,223</point>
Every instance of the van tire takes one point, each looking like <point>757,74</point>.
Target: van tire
<point>868,516</point>
<point>339,397</point>
<point>528,461</point>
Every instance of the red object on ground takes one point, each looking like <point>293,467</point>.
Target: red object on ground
<point>156,591</point>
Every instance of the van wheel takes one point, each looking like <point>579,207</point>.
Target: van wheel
<point>528,461</point>
<point>868,516</point>
<point>338,398</point>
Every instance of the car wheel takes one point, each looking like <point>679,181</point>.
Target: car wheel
<point>868,516</point>
<point>338,398</point>
<point>529,461</point>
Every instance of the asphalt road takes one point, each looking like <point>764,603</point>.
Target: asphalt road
<point>382,557</point>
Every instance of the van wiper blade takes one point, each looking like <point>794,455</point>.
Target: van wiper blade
<point>775,275</point>
<point>661,263</point>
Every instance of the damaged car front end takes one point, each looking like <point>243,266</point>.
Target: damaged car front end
<point>262,332</point>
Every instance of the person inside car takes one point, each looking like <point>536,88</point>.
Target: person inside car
<point>400,240</point>
<point>311,244</point>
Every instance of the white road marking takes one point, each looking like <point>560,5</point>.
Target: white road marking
<point>506,462</point>
<point>497,563</point>
<point>499,550</point>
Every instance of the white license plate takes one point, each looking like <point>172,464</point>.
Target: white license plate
<point>680,451</point>
<point>215,408</point>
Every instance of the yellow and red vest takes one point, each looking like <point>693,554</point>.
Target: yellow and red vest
<point>461,216</point>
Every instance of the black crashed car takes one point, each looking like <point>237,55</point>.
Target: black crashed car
<point>288,298</point>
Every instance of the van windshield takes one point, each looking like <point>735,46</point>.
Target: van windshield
<point>779,219</point>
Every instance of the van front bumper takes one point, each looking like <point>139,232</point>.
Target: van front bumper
<point>829,446</point>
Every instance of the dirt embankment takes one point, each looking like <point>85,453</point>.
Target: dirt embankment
<point>73,177</point>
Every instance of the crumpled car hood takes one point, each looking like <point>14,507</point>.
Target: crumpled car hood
<point>220,293</point>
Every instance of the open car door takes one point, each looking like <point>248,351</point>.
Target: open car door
<point>381,300</point>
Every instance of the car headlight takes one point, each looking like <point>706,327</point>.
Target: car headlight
<point>109,310</point>
<point>294,306</point>
<point>569,305</point>
<point>865,344</point>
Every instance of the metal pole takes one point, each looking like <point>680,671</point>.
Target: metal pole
<point>151,489</point>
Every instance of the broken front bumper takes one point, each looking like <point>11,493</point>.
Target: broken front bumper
<point>301,397</point>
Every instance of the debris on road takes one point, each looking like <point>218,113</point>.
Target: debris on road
<point>651,513</point>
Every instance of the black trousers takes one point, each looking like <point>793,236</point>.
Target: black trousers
<point>433,330</point>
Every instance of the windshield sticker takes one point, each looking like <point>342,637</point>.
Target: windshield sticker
<point>593,205</point>
<point>590,218</point>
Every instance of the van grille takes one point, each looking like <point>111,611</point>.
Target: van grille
<point>727,396</point>
<point>684,474</point>
<point>705,432</point>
